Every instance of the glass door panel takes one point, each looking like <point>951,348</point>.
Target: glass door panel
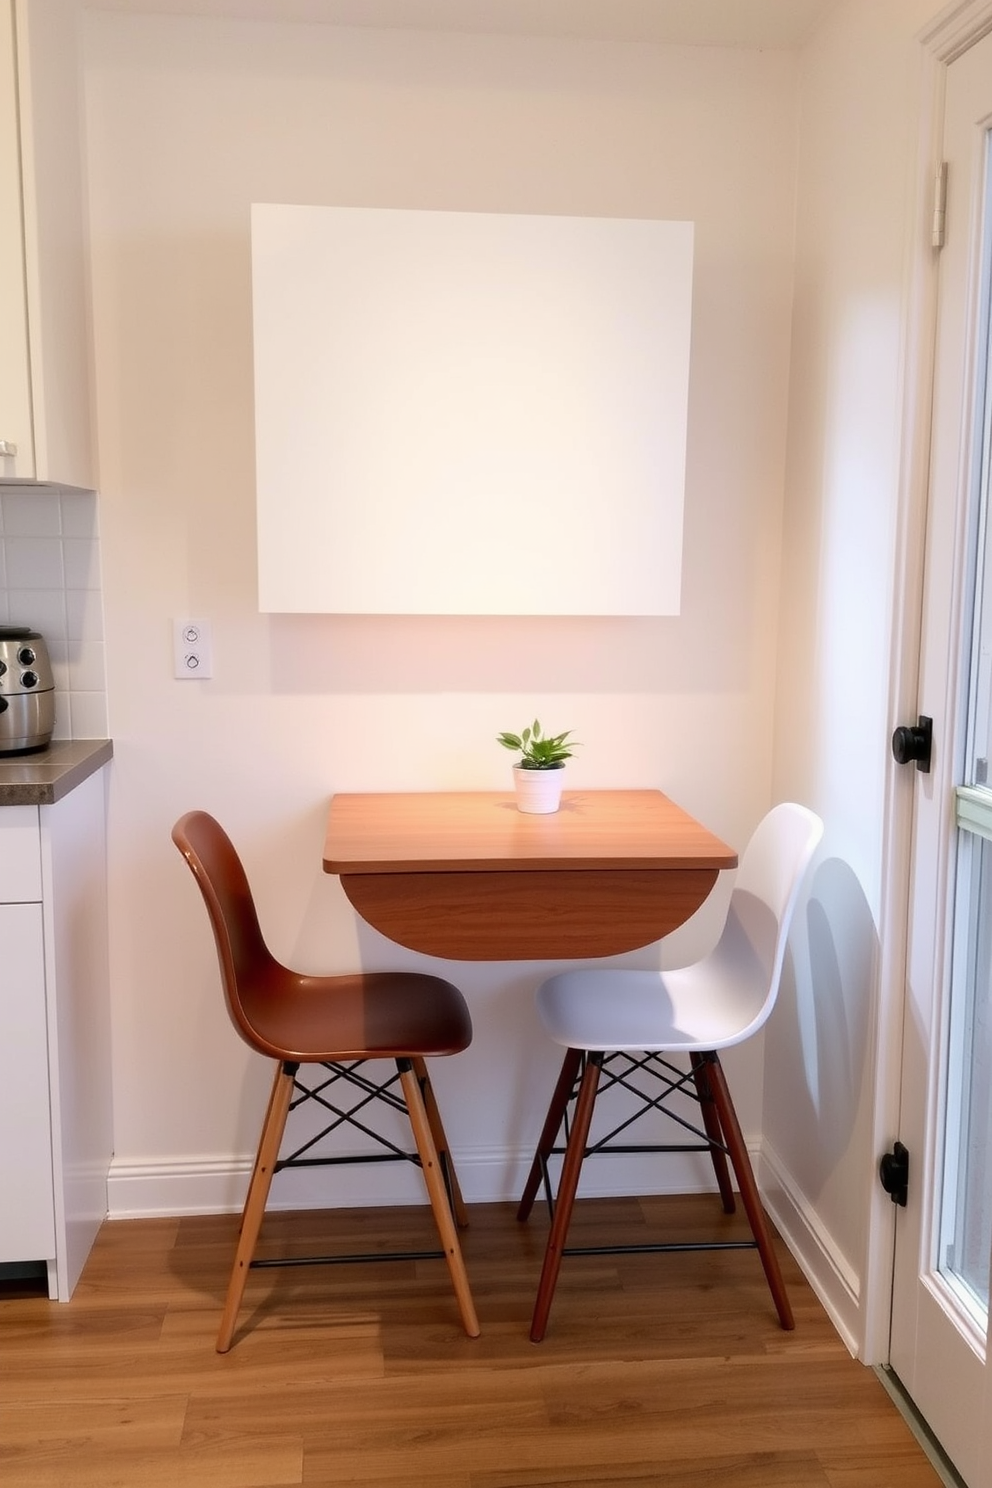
<point>965,1187</point>
<point>965,1243</point>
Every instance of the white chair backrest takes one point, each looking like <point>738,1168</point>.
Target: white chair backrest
<point>751,951</point>
<point>776,858</point>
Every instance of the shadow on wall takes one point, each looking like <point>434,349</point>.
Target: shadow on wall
<point>817,1054</point>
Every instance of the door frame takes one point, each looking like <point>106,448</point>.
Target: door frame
<point>946,38</point>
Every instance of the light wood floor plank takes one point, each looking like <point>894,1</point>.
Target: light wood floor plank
<point>785,1470</point>
<point>151,1425</point>
<point>661,1370</point>
<point>250,1462</point>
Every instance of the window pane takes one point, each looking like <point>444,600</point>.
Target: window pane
<point>966,1211</point>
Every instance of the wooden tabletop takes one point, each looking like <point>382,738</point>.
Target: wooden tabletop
<point>482,831</point>
<point>468,876</point>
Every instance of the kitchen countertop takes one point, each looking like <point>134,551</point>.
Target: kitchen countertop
<point>43,778</point>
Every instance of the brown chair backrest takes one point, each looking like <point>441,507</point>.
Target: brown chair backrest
<point>248,969</point>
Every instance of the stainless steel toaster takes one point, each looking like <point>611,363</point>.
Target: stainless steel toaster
<point>27,691</point>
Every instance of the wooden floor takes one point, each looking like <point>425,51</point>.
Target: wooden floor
<point>657,1369</point>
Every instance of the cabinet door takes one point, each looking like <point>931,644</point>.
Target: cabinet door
<point>44,369</point>
<point>15,397</point>
<point>20,855</point>
<point>27,1214</point>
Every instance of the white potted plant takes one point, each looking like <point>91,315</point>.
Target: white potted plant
<point>539,773</point>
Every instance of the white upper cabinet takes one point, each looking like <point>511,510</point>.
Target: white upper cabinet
<point>45,425</point>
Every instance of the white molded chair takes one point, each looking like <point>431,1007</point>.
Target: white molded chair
<point>623,1023</point>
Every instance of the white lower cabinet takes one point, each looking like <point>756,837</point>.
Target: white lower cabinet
<point>56,1116</point>
<point>27,1228</point>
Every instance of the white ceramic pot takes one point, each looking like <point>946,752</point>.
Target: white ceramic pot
<point>538,791</point>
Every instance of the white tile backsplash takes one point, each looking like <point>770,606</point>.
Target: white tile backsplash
<point>35,562</point>
<point>86,666</point>
<point>88,712</point>
<point>79,517</point>
<point>24,515</point>
<point>84,614</point>
<point>81,563</point>
<point>50,579</point>
<point>44,610</point>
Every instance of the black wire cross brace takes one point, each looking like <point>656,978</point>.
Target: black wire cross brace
<point>352,1073</point>
<point>617,1070</point>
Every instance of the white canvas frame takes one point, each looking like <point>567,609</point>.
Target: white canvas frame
<point>469,413</point>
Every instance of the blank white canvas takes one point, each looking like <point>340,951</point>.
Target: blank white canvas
<point>469,413</point>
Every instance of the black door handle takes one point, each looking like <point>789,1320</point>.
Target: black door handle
<point>911,743</point>
<point>893,1173</point>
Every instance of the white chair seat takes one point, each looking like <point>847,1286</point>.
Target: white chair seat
<point>711,1005</point>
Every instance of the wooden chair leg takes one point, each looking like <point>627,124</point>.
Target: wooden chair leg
<point>258,1192</point>
<point>273,1096</point>
<point>711,1125</point>
<point>567,1186</point>
<point>550,1130</point>
<point>748,1189</point>
<point>438,1195</point>
<point>441,1142</point>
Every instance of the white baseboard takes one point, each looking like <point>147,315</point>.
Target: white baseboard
<point>832,1278</point>
<point>178,1186</point>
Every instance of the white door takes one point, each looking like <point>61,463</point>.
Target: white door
<point>944,1234</point>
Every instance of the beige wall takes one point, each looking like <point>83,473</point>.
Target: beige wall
<point>834,1037</point>
<point>188,122</point>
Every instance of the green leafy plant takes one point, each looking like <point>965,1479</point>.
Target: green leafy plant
<point>539,751</point>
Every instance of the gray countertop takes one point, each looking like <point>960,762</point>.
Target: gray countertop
<point>43,778</point>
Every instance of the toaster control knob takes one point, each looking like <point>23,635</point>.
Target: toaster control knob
<point>29,679</point>
<point>26,656</point>
<point>4,705</point>
<point>3,667</point>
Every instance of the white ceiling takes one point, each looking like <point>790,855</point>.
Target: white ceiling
<point>751,23</point>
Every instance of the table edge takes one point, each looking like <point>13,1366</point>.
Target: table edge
<point>721,857</point>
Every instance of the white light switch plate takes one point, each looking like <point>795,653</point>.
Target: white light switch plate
<point>193,649</point>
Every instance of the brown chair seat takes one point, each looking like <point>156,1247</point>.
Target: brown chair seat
<point>337,1022</point>
<point>378,1014</point>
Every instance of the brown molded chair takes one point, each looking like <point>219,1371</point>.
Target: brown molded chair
<point>338,1022</point>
